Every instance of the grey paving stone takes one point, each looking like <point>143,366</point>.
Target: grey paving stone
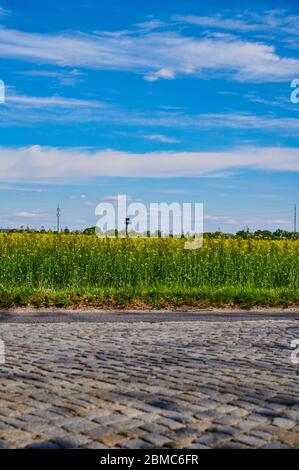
<point>251,440</point>
<point>43,445</point>
<point>127,385</point>
<point>211,439</point>
<point>284,423</point>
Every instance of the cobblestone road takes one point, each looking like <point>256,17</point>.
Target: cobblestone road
<point>149,385</point>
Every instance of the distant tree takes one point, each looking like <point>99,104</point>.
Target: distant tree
<point>264,234</point>
<point>245,233</point>
<point>89,231</point>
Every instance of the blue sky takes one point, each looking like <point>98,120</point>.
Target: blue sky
<point>163,101</point>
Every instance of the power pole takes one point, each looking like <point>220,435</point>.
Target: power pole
<point>127,225</point>
<point>58,213</point>
<point>295,219</point>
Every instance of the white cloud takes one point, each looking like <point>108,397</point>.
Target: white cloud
<point>5,187</point>
<point>162,73</point>
<point>164,54</point>
<point>66,78</point>
<point>150,25</point>
<point>119,197</point>
<point>279,221</point>
<point>219,22</point>
<point>169,191</point>
<point>27,214</point>
<point>269,21</point>
<point>221,219</point>
<point>3,12</point>
<point>161,138</point>
<point>80,196</point>
<point>23,110</point>
<point>249,121</point>
<point>54,101</point>
<point>44,163</point>
<point>27,110</point>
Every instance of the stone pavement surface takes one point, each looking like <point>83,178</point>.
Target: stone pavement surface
<point>188,385</point>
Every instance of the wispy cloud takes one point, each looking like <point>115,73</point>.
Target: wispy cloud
<point>169,191</point>
<point>154,54</point>
<point>27,110</point>
<point>80,196</point>
<point>221,219</point>
<point>3,11</point>
<point>219,22</point>
<point>51,101</point>
<point>150,25</point>
<point>64,78</point>
<point>269,21</point>
<point>249,121</point>
<point>27,214</point>
<point>5,187</point>
<point>42,163</point>
<point>167,74</point>
<point>161,138</point>
<point>119,197</point>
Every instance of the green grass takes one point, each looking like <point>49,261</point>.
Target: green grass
<point>157,298</point>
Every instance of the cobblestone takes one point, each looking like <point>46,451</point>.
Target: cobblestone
<point>194,385</point>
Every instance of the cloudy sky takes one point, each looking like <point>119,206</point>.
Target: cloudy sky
<point>169,100</point>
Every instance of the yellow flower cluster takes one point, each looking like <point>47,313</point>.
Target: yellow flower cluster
<point>50,260</point>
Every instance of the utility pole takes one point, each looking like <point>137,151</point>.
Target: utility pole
<point>295,219</point>
<point>127,225</point>
<point>58,213</point>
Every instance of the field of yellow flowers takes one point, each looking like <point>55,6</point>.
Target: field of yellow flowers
<point>65,270</point>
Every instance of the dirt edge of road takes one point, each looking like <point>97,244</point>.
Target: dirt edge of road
<point>82,309</point>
